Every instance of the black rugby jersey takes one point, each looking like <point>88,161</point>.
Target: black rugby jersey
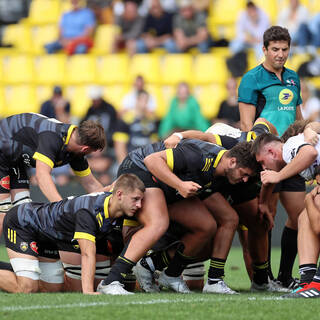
<point>82,217</point>
<point>28,137</point>
<point>229,142</point>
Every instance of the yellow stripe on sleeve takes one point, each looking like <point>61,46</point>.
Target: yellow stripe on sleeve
<point>130,223</point>
<point>106,207</point>
<point>169,153</point>
<point>219,156</point>
<point>120,136</point>
<point>218,139</point>
<point>84,235</point>
<point>43,158</point>
<point>82,173</point>
<point>71,128</point>
<point>263,123</point>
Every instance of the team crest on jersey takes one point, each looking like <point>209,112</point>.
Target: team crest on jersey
<point>5,182</point>
<point>285,96</point>
<point>23,246</point>
<point>291,82</point>
<point>34,247</point>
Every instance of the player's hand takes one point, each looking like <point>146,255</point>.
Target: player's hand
<point>172,141</point>
<point>265,216</point>
<point>188,189</point>
<point>310,136</point>
<point>315,191</point>
<point>270,176</point>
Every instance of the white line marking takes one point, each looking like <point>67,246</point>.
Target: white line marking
<point>211,298</point>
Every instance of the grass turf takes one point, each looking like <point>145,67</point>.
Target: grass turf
<point>164,305</point>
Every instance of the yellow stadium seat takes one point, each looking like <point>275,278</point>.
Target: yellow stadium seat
<point>157,93</point>
<point>79,100</point>
<point>176,68</point>
<point>3,107</point>
<point>19,99</point>
<point>42,35</point>
<point>146,65</point>
<point>50,69</point>
<point>81,69</point>
<point>19,36</point>
<point>43,12</point>
<point>226,11</point>
<point>114,94</point>
<point>219,31</point>
<point>104,37</point>
<point>210,98</point>
<point>296,60</point>
<point>18,69</point>
<point>43,93</point>
<point>208,69</point>
<point>112,69</point>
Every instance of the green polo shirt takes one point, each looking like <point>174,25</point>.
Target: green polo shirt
<point>275,100</point>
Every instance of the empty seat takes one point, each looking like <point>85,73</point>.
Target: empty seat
<point>114,94</point>
<point>104,37</point>
<point>81,69</point>
<point>19,36</point>
<point>43,12</point>
<point>18,69</point>
<point>79,100</point>
<point>42,35</point>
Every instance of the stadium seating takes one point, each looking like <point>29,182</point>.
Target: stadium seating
<point>79,100</point>
<point>19,36</point>
<point>81,69</point>
<point>103,39</point>
<point>18,69</point>
<point>42,35</point>
<point>115,93</point>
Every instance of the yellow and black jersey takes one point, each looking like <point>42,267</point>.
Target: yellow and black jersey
<point>229,142</point>
<point>28,137</point>
<point>83,217</point>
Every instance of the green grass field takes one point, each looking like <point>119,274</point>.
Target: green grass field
<point>164,305</point>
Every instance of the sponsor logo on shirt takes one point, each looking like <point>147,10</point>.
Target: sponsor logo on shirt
<point>24,246</point>
<point>282,108</point>
<point>285,96</point>
<point>5,182</point>
<point>34,247</point>
<point>291,82</point>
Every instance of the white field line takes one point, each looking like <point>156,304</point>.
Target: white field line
<point>126,303</point>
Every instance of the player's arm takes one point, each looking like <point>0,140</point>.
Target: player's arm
<point>88,265</point>
<point>45,182</point>
<point>174,139</point>
<point>157,164</point>
<point>91,184</point>
<point>299,115</point>
<point>247,115</point>
<point>304,159</point>
<point>272,128</point>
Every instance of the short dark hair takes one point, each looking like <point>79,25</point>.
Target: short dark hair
<point>294,129</point>
<point>242,153</point>
<point>261,141</point>
<point>276,33</point>
<point>129,182</point>
<point>91,134</point>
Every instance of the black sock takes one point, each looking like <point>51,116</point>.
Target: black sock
<point>289,251</point>
<point>260,272</point>
<point>160,260</point>
<point>6,266</point>
<point>307,272</point>
<point>178,263</point>
<point>119,270</point>
<point>216,270</point>
<point>270,274</point>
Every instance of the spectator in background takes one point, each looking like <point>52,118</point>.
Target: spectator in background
<point>310,107</point>
<point>167,5</point>
<point>184,113</point>
<point>104,113</point>
<point>136,132</point>
<point>75,31</point>
<point>189,29</point>
<point>251,25</point>
<point>294,17</point>
<point>130,99</point>
<point>57,107</point>
<point>229,108</point>
<point>102,10</point>
<point>157,30</point>
<point>131,26</point>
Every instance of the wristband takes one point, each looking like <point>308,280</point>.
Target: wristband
<point>178,134</point>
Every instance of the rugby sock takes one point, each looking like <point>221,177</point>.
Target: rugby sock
<point>315,283</point>
<point>216,270</point>
<point>289,251</point>
<point>178,263</point>
<point>270,274</point>
<point>5,266</point>
<point>119,270</point>
<point>159,261</point>
<point>307,272</point>
<point>260,272</point>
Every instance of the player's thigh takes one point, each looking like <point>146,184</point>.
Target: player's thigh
<point>293,202</point>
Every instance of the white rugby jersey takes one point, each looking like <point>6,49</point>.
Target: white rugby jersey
<point>290,150</point>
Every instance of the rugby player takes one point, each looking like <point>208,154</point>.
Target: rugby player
<point>77,224</point>
<point>32,140</point>
<point>170,176</point>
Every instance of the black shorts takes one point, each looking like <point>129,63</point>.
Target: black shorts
<point>128,166</point>
<point>293,184</point>
<point>13,178</point>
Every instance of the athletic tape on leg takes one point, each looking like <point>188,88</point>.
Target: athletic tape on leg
<point>26,268</point>
<point>51,272</point>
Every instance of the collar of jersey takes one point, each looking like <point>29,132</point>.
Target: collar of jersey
<point>70,130</point>
<point>251,135</point>
<point>105,207</point>
<point>218,158</point>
